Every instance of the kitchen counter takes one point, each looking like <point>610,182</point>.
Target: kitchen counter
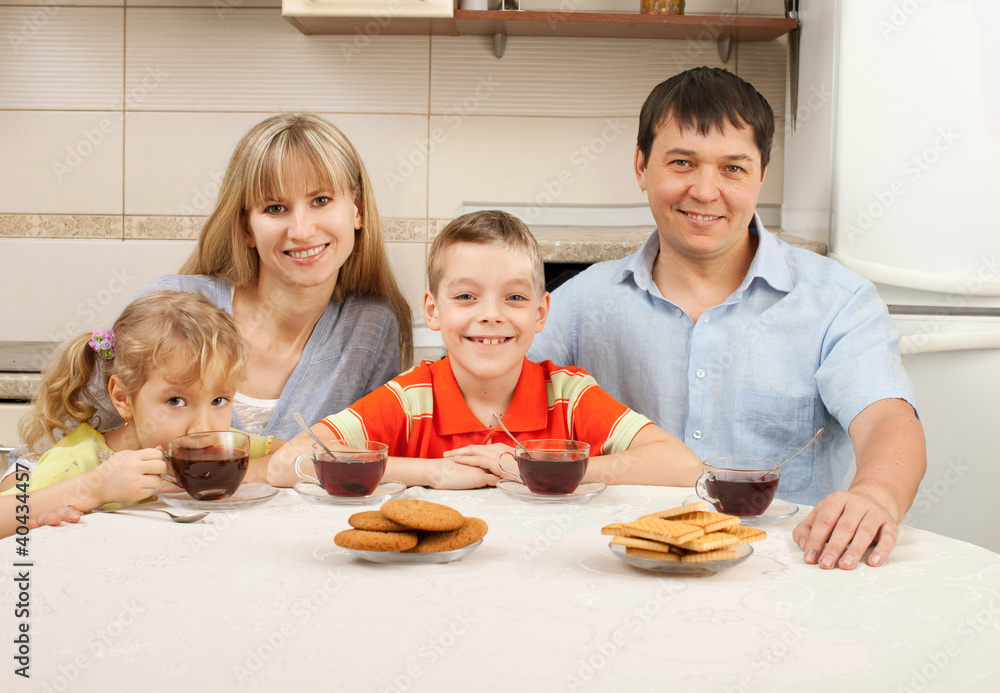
<point>20,361</point>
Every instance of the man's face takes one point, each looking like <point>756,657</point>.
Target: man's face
<point>702,189</point>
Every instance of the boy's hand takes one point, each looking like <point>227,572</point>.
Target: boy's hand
<point>129,476</point>
<point>447,474</point>
<point>488,457</point>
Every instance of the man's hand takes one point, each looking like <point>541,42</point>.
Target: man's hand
<point>840,529</point>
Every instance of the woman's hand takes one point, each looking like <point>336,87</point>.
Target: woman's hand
<point>488,457</point>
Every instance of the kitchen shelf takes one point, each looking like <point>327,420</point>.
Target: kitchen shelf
<point>712,27</point>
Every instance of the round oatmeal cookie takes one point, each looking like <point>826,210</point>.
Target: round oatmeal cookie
<point>375,521</point>
<point>472,531</point>
<point>366,540</point>
<point>421,514</point>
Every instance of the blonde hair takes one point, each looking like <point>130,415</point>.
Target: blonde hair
<point>488,226</point>
<point>257,172</point>
<point>182,335</point>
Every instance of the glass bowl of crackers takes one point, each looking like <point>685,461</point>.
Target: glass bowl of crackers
<point>685,540</point>
<point>408,530</point>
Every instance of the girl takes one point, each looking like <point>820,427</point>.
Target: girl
<point>170,366</point>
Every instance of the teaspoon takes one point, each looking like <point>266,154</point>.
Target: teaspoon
<point>520,447</point>
<point>804,447</point>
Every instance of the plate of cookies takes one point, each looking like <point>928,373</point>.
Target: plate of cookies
<point>411,531</point>
<point>685,540</point>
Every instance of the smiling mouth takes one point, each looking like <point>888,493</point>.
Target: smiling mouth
<point>303,254</point>
<point>490,341</point>
<point>700,217</point>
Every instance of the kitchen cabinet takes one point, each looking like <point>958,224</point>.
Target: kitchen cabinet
<point>310,18</point>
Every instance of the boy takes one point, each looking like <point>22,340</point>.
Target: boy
<point>487,298</point>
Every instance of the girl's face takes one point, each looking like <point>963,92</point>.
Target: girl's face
<point>306,236</point>
<point>161,410</point>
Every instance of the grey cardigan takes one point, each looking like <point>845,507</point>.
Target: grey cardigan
<point>353,350</point>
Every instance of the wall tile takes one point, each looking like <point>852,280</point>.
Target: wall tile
<point>61,57</point>
<point>254,60</point>
<point>67,162</point>
<point>533,160</point>
<point>574,77</point>
<point>764,66</point>
<point>174,162</point>
<point>409,262</point>
<point>86,283</point>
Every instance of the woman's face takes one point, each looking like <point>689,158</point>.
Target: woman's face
<point>304,238</point>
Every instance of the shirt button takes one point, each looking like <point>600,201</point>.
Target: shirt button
<point>678,312</point>
<point>696,435</point>
<point>708,319</point>
<point>700,373</point>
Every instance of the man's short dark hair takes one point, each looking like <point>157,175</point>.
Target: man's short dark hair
<point>707,98</point>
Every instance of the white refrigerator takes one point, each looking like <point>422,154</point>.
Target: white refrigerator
<point>916,209</point>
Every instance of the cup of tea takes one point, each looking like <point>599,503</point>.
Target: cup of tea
<point>742,486</point>
<point>551,467</point>
<point>210,465</point>
<point>346,467</point>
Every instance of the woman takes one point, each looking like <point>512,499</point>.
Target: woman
<point>294,251</point>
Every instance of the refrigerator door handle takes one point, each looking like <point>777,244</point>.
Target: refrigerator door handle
<point>948,341</point>
<point>892,275</point>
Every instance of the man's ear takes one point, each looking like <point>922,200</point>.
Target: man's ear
<point>430,312</point>
<point>120,397</point>
<point>640,169</point>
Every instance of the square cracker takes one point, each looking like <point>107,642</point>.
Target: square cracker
<point>721,555</point>
<point>679,510</point>
<point>637,543</point>
<point>655,555</point>
<point>708,521</point>
<point>712,542</point>
<point>667,531</point>
<point>746,534</point>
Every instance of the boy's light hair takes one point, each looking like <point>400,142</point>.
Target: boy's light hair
<point>485,227</point>
<point>181,334</point>
<point>268,153</point>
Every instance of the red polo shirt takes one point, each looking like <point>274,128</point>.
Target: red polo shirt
<point>422,412</point>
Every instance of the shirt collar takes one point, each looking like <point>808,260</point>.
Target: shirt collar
<point>528,410</point>
<point>768,262</point>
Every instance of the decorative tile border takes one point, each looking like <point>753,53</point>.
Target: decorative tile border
<point>60,226</point>
<point>164,228</point>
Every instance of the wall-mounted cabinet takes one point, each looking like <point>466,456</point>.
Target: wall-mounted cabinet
<point>312,17</point>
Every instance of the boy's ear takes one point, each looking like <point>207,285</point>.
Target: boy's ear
<point>120,398</point>
<point>543,312</point>
<point>430,312</point>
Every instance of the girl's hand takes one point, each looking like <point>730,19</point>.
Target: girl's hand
<point>55,518</point>
<point>488,457</point>
<point>129,476</point>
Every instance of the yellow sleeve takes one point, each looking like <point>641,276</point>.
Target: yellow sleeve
<point>259,445</point>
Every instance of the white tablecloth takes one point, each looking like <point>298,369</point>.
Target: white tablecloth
<point>262,600</point>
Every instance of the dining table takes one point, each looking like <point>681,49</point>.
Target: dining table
<point>261,599</point>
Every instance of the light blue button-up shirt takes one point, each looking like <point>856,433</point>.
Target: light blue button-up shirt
<point>802,344</point>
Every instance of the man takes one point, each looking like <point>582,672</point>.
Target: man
<point>738,343</point>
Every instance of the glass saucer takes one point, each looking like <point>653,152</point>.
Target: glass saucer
<point>387,490</point>
<point>777,511</point>
<point>407,558</point>
<point>246,496</point>
<point>743,552</point>
<point>584,492</point>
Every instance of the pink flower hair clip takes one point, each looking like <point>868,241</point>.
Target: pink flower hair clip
<point>103,342</point>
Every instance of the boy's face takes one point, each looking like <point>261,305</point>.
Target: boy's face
<point>487,308</point>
